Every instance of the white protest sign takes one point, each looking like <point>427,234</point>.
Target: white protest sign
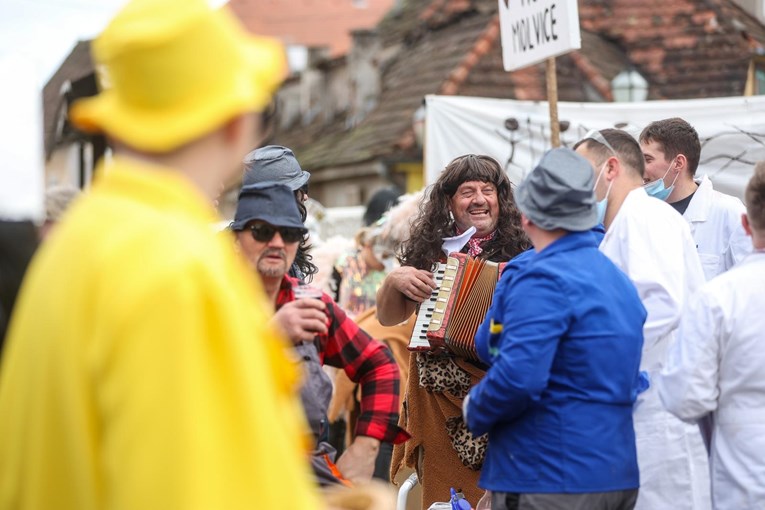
<point>534,30</point>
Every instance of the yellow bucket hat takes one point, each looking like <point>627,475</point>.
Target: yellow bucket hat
<point>174,70</point>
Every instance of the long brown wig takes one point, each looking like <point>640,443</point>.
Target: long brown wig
<point>423,250</point>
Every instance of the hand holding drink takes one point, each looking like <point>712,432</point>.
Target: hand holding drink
<point>304,317</point>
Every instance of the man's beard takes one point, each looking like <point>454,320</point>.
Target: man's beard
<point>267,268</point>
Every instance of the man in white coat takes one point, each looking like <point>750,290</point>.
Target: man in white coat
<point>717,366</point>
<point>672,151</point>
<point>652,244</point>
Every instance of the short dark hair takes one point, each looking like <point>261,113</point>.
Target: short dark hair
<point>755,198</point>
<point>675,136</point>
<point>626,147</point>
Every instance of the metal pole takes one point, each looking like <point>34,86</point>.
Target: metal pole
<point>403,492</point>
<point>552,99</point>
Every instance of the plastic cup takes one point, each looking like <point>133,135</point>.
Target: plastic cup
<point>306,291</point>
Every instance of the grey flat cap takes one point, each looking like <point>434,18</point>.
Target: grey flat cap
<point>274,163</point>
<point>558,193</point>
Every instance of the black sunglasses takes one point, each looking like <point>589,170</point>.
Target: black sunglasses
<point>264,232</point>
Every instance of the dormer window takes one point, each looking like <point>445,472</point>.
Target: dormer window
<point>629,86</point>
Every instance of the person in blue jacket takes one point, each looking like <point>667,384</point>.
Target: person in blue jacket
<point>563,342</point>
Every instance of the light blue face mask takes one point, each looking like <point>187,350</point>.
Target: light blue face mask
<point>657,189</point>
<point>602,205</point>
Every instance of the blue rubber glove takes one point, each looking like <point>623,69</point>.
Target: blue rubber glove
<point>458,501</point>
<point>644,381</point>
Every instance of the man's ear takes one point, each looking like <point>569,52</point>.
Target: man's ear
<point>234,128</point>
<point>681,163</point>
<point>746,225</point>
<point>613,168</point>
<point>243,129</point>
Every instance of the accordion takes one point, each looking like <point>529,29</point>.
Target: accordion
<point>450,318</point>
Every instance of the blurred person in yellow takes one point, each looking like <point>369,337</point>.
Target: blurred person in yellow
<point>139,372</point>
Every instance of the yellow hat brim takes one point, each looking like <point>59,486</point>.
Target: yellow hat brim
<point>262,68</point>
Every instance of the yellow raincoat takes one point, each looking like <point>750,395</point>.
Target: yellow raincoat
<point>139,372</point>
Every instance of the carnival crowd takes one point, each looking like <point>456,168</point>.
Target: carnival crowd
<point>151,361</point>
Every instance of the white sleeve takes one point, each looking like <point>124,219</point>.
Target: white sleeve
<point>688,385</point>
<point>661,271</point>
<point>739,246</point>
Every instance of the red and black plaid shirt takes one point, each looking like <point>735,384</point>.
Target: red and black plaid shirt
<point>366,361</point>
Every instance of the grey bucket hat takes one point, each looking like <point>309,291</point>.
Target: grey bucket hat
<point>271,202</point>
<point>274,163</point>
<point>558,193</point>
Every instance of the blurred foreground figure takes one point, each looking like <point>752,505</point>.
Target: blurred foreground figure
<point>717,366</point>
<point>140,371</point>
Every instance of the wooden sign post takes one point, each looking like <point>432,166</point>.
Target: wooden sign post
<point>539,30</point>
<point>552,101</point>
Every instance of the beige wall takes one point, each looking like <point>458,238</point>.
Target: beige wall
<point>61,168</point>
<point>347,186</point>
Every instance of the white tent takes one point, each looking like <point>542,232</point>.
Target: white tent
<point>516,133</point>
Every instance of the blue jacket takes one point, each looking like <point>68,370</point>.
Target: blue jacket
<point>557,399</point>
<point>484,346</point>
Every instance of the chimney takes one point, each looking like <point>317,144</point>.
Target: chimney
<point>313,83</point>
<point>364,72</point>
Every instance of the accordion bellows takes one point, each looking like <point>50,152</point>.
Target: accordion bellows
<point>454,312</point>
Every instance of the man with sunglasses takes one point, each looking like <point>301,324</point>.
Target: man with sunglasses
<point>274,163</point>
<point>269,228</point>
<point>652,244</point>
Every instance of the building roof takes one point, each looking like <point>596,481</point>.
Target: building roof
<point>77,65</point>
<point>303,22</point>
<point>684,48</point>
<point>311,22</point>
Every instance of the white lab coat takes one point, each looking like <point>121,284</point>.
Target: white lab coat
<point>718,366</point>
<point>652,244</point>
<point>715,221</point>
